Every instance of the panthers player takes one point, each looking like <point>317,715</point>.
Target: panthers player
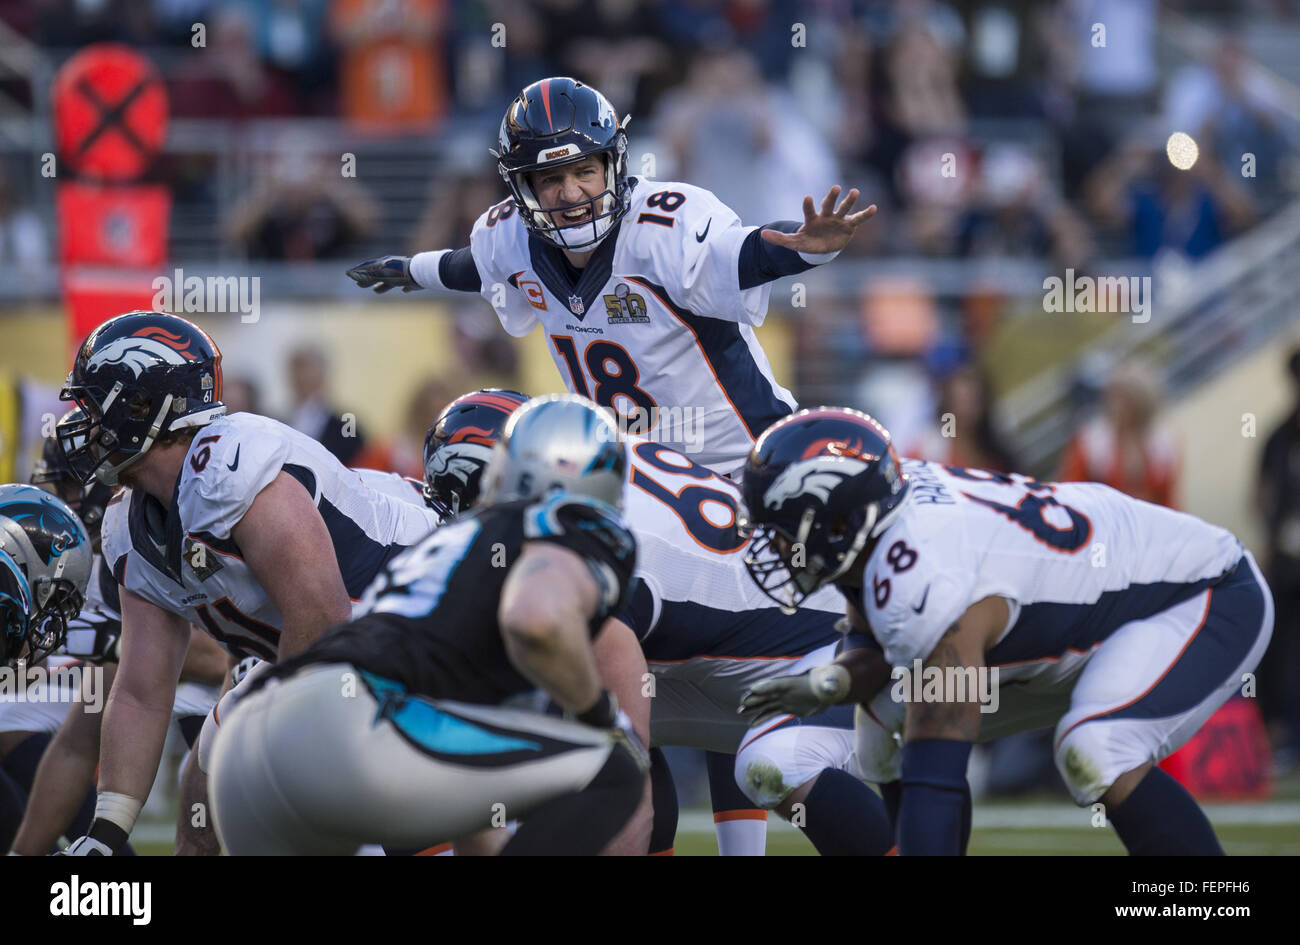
<point>61,750</point>
<point>707,634</point>
<point>42,539</point>
<point>1124,624</point>
<point>413,721</point>
<point>649,292</point>
<point>237,524</point>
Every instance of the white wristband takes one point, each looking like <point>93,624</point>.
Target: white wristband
<point>424,268</point>
<point>119,809</point>
<point>831,683</point>
<point>816,259</point>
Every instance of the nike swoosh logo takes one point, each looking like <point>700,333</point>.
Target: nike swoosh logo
<point>235,465</point>
<point>923,599</point>
<point>699,237</point>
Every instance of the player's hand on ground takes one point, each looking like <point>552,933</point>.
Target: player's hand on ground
<point>805,694</point>
<point>384,273</point>
<point>826,231</point>
<point>86,846</point>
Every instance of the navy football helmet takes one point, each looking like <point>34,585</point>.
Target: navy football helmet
<point>52,547</point>
<point>52,470</point>
<point>136,377</point>
<point>555,122</point>
<point>458,445</point>
<point>818,486</point>
<point>15,609</point>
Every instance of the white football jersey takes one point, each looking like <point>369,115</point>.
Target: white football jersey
<point>656,325</point>
<point>1076,560</point>
<point>184,560</point>
<point>697,597</point>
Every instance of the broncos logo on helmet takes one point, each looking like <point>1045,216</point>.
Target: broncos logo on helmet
<point>458,445</point>
<point>137,376</point>
<point>818,486</point>
<point>138,353</point>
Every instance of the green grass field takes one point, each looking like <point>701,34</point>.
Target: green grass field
<point>1055,828</point>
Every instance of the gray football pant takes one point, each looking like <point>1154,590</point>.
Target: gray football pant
<point>307,765</point>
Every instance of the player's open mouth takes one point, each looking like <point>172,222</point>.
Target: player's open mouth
<point>571,217</point>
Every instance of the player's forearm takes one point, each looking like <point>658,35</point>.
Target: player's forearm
<point>555,656</point>
<point>66,771</point>
<point>131,742</point>
<point>298,634</point>
<point>453,269</point>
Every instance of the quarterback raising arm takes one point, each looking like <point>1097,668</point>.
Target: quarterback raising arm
<point>648,291</point>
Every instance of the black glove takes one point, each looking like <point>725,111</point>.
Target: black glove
<point>384,273</point>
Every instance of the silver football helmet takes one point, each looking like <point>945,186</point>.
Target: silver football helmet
<point>51,545</point>
<point>560,441</point>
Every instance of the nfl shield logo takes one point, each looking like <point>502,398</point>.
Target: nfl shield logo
<point>575,305</point>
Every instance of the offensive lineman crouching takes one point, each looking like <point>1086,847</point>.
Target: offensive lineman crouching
<point>410,721</point>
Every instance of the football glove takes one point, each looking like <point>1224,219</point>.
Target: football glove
<point>384,273</point>
<point>625,734</point>
<point>86,846</point>
<point>805,694</point>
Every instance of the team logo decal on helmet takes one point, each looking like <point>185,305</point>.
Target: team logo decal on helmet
<point>137,377</point>
<point>459,444</point>
<point>144,348</point>
<point>818,486</point>
<point>52,547</point>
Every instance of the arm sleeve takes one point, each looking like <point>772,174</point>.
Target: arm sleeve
<point>761,261</point>
<point>447,269</point>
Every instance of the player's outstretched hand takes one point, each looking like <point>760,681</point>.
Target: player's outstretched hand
<point>384,273</point>
<point>805,694</point>
<point>827,231</point>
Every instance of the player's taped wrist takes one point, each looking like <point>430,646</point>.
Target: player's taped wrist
<point>830,683</point>
<point>934,813</point>
<point>602,714</point>
<point>115,816</point>
<point>424,268</point>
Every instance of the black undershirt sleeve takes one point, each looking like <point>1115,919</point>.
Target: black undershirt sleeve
<point>761,261</point>
<point>457,271</point>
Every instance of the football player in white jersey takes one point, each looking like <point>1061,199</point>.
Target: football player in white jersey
<point>648,291</point>
<point>1124,624</point>
<point>708,634</point>
<point>237,524</point>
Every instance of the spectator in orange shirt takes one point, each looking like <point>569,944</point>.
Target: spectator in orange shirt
<point>1123,447</point>
<point>392,68</point>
